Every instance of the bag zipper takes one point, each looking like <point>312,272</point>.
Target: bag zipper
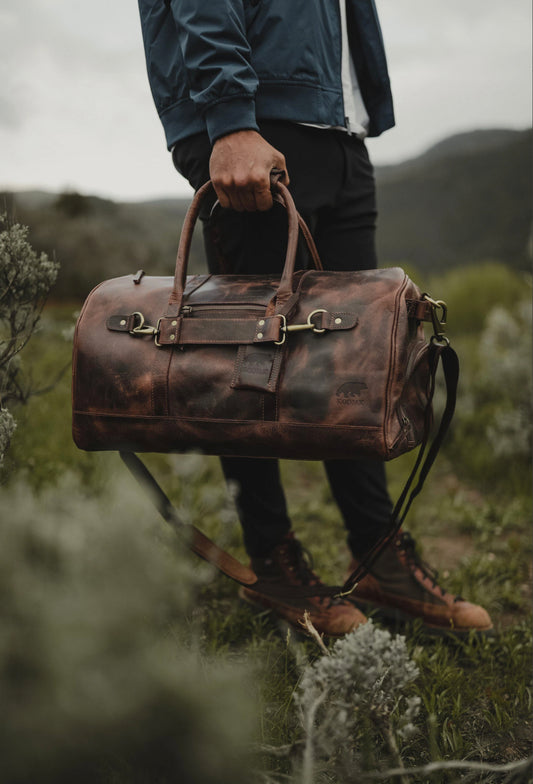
<point>222,309</point>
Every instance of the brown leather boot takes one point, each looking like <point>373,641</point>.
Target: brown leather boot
<point>402,587</point>
<point>289,566</point>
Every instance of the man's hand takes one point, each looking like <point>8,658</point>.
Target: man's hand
<point>240,167</point>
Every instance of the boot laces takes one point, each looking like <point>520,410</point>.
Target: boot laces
<point>299,562</point>
<point>407,544</point>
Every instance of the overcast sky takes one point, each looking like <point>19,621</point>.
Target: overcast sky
<point>76,111</point>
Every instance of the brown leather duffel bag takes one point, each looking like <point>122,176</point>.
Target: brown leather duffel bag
<point>315,365</point>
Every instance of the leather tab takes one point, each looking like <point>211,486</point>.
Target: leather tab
<point>268,330</point>
<point>169,331</point>
<point>334,321</point>
<point>257,367</point>
<point>419,309</point>
<point>120,323</point>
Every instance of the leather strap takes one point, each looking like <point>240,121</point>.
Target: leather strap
<point>225,331</point>
<point>196,540</point>
<point>243,575</point>
<point>200,544</point>
<point>419,309</point>
<point>184,247</point>
<point>241,331</point>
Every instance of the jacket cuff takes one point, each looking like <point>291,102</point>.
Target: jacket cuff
<point>235,114</point>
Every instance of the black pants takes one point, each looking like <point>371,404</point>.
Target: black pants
<point>332,184</point>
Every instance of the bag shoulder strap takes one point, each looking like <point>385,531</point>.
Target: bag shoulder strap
<point>450,366</point>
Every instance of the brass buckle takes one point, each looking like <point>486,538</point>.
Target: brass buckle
<point>283,329</point>
<point>157,333</point>
<point>299,327</point>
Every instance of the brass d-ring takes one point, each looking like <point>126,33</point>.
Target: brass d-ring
<point>310,320</point>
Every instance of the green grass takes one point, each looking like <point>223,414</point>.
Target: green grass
<point>476,694</point>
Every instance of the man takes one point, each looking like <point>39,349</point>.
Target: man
<point>245,87</point>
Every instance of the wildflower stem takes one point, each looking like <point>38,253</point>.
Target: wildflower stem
<point>307,624</point>
<point>434,767</point>
<point>308,762</point>
<point>395,752</point>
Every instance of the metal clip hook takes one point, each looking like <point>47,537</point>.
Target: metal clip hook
<point>141,329</point>
<point>299,327</point>
<point>438,320</point>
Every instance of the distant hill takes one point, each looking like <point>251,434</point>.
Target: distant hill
<point>96,238</point>
<point>467,199</point>
<point>468,143</point>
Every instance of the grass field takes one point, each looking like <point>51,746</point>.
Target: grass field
<point>108,624</point>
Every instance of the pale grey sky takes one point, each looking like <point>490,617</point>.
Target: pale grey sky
<point>76,110</point>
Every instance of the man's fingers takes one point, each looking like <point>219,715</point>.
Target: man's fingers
<point>279,173</point>
<point>263,198</point>
<point>233,198</point>
<point>248,190</point>
<point>222,197</point>
<point>240,167</point>
<point>244,198</point>
<point>248,199</point>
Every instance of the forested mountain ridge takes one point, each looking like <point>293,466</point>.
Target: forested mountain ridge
<point>467,199</point>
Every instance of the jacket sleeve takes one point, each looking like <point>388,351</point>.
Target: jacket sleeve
<point>221,81</point>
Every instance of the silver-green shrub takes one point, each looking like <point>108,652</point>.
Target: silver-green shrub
<point>506,375</point>
<point>492,427</point>
<point>7,428</point>
<point>354,704</point>
<point>101,681</point>
<point>25,281</point>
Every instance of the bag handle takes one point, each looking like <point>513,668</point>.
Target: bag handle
<point>282,302</point>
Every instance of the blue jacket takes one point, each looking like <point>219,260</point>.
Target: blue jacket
<point>222,65</point>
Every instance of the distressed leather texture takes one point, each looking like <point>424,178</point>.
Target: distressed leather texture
<point>225,376</point>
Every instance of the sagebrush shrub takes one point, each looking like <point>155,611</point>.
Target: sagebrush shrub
<point>506,377</point>
<point>355,703</point>
<point>7,428</point>
<point>492,427</point>
<point>25,281</point>
<point>101,681</point>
